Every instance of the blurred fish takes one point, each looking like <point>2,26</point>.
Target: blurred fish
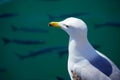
<point>14,28</point>
<point>96,46</point>
<point>59,78</point>
<point>27,42</point>
<point>8,15</point>
<point>60,50</point>
<point>67,15</point>
<point>4,1</point>
<point>3,69</point>
<point>48,0</point>
<point>63,52</point>
<point>108,24</point>
<point>32,79</point>
<point>40,52</point>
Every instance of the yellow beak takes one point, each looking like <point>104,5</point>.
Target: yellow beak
<point>54,24</point>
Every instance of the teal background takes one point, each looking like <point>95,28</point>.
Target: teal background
<point>34,13</point>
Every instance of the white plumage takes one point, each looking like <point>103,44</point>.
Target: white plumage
<point>84,62</point>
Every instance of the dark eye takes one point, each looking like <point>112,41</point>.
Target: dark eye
<point>66,26</point>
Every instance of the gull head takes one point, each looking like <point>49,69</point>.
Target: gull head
<point>73,26</point>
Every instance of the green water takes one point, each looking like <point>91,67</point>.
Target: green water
<point>34,14</point>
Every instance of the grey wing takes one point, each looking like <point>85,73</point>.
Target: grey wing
<point>116,72</point>
<point>85,71</point>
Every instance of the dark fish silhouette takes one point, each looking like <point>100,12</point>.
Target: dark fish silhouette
<point>63,52</point>
<point>7,15</point>
<point>3,69</point>
<point>48,0</point>
<point>42,51</point>
<point>67,15</point>
<point>108,24</point>
<point>4,1</point>
<point>59,78</point>
<point>96,46</point>
<point>27,42</point>
<point>14,28</point>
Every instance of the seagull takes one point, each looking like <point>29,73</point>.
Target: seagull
<point>84,62</point>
